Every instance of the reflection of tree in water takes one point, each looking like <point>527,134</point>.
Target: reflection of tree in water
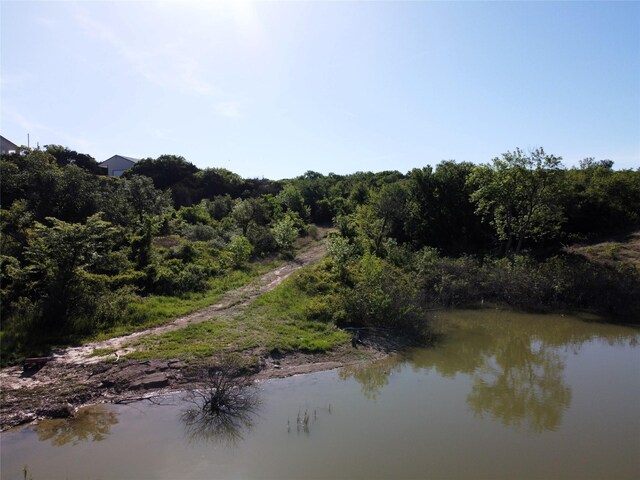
<point>516,362</point>
<point>222,427</point>
<point>224,402</point>
<point>522,386</point>
<point>372,376</point>
<point>92,423</point>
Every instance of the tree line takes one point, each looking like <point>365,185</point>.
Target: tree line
<point>78,246</point>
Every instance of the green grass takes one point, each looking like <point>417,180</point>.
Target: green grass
<point>100,352</point>
<point>159,309</point>
<point>277,319</point>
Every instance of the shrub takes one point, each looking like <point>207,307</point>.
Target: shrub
<point>382,296</point>
<point>285,233</point>
<point>239,250</point>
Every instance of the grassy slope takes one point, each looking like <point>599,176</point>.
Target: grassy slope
<point>276,320</point>
<point>158,309</point>
<point>625,251</point>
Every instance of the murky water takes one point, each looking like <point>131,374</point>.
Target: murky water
<point>501,395</point>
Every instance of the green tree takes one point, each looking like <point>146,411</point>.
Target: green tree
<point>383,216</point>
<point>285,233</point>
<point>165,171</point>
<point>240,249</point>
<point>341,251</point>
<point>65,157</point>
<point>60,261</point>
<point>251,210</point>
<point>292,200</point>
<point>519,195</point>
<point>440,212</point>
<point>143,199</point>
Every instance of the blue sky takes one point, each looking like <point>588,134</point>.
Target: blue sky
<point>274,89</point>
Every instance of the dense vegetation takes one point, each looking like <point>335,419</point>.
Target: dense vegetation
<point>83,253</point>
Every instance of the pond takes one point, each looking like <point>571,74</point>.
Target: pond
<point>500,395</point>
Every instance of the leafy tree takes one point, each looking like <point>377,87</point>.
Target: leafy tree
<point>64,156</point>
<point>285,233</point>
<point>519,195</point>
<point>341,252</point>
<point>240,249</point>
<point>143,198</point>
<point>165,171</point>
<point>32,177</point>
<point>440,212</point>
<point>251,210</point>
<point>383,216</point>
<point>219,206</point>
<point>292,201</point>
<point>76,193</point>
<point>219,181</point>
<point>59,259</point>
<point>601,201</point>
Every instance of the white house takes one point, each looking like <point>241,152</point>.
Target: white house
<point>118,164</point>
<point>7,146</point>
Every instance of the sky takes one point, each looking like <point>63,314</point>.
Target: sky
<point>274,89</point>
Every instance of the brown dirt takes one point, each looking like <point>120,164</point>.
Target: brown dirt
<point>621,250</point>
<point>58,389</point>
<point>73,378</point>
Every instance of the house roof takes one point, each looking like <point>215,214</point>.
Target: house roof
<point>7,144</point>
<point>131,159</point>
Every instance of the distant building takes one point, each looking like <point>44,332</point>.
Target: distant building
<point>118,164</point>
<point>7,146</point>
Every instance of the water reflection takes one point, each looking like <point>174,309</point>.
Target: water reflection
<point>516,363</point>
<point>226,428</point>
<point>221,407</point>
<point>91,423</point>
<point>372,376</point>
<point>522,386</point>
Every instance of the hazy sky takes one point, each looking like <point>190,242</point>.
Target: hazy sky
<point>275,89</point>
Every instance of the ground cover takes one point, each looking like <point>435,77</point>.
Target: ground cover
<point>275,321</point>
<point>154,310</point>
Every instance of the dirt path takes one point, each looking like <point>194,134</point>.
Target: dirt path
<point>74,378</point>
<point>232,304</point>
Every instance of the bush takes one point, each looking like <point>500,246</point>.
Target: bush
<point>381,296</point>
<point>285,233</point>
<point>239,250</point>
<point>174,277</point>
<point>200,233</point>
<point>262,239</point>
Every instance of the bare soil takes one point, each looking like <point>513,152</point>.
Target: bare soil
<point>74,378</point>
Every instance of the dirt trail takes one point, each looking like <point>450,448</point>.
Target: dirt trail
<point>73,379</point>
<point>232,304</point>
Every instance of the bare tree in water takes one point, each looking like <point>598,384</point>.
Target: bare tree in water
<point>224,401</point>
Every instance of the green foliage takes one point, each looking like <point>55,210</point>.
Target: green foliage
<point>64,156</point>
<point>518,194</point>
<point>440,213</point>
<point>276,320</point>
<point>523,282</point>
<point>285,233</point>
<point>239,250</point>
<point>76,248</point>
<point>252,211</point>
<point>342,252</point>
<point>143,198</point>
<point>174,277</point>
<point>292,201</point>
<point>164,171</point>
<point>382,295</point>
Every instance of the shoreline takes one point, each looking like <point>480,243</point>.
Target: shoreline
<point>58,390</point>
